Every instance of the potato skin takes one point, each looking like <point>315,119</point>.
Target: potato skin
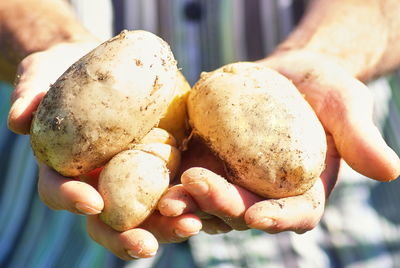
<point>257,122</point>
<point>104,102</point>
<point>170,154</point>
<point>175,119</point>
<point>131,184</point>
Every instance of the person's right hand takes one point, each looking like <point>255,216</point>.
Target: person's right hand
<point>35,74</point>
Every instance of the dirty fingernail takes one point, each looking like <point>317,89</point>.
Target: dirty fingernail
<point>184,234</point>
<point>137,255</point>
<point>264,223</point>
<point>197,188</point>
<point>86,209</point>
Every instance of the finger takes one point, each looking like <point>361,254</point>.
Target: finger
<point>134,243</point>
<point>298,213</point>
<point>172,229</point>
<point>21,112</point>
<point>357,139</point>
<point>176,201</point>
<point>59,192</point>
<point>332,164</point>
<point>29,91</point>
<point>35,74</point>
<point>214,195</point>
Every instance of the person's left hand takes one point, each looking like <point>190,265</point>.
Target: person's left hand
<point>343,105</point>
<point>223,206</point>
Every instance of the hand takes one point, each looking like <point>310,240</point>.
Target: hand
<point>36,73</point>
<point>223,206</point>
<point>344,107</point>
<point>81,197</point>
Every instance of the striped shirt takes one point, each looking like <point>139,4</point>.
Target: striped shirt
<point>361,225</point>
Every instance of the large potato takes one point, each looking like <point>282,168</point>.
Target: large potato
<point>105,102</point>
<point>260,126</point>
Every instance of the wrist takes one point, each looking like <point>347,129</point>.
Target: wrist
<point>354,34</point>
<point>29,26</point>
<point>363,65</point>
<point>9,62</point>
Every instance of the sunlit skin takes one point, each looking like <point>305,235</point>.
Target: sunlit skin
<point>309,57</point>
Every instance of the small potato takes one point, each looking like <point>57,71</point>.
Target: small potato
<point>134,180</point>
<point>260,126</point>
<point>131,185</point>
<point>105,102</point>
<point>170,154</point>
<point>159,135</point>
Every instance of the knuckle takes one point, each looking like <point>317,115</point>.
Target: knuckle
<point>306,228</point>
<point>45,198</point>
<point>102,239</point>
<point>94,233</point>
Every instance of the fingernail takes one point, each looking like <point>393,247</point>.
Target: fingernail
<point>15,109</point>
<point>86,209</point>
<point>184,234</point>
<point>136,255</point>
<point>132,254</point>
<point>197,188</point>
<point>12,114</point>
<point>264,223</point>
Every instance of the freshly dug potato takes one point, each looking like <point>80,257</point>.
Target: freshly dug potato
<point>131,185</point>
<point>170,154</point>
<point>260,126</point>
<point>134,180</point>
<point>159,135</point>
<point>175,119</point>
<point>105,102</point>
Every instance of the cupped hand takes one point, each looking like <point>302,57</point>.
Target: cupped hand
<point>35,74</point>
<point>223,206</point>
<point>343,104</point>
<point>79,195</point>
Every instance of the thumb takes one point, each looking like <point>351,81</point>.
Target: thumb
<point>356,137</point>
<point>28,92</point>
<point>35,74</point>
<point>21,112</point>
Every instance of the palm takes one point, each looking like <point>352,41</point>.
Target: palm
<point>344,107</point>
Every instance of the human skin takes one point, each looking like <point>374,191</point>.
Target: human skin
<point>51,40</point>
<point>324,59</point>
<point>313,46</point>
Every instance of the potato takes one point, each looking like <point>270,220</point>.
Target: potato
<point>105,102</point>
<point>260,126</point>
<point>159,135</point>
<point>170,154</point>
<point>175,119</point>
<point>133,181</point>
<point>131,185</point>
